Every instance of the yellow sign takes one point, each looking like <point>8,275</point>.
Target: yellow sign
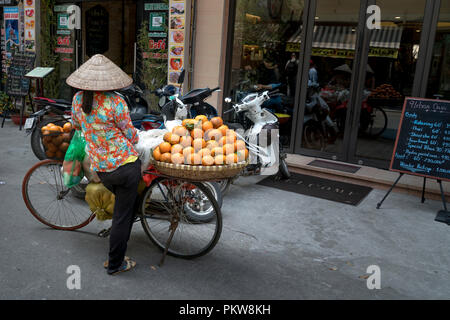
<point>345,53</point>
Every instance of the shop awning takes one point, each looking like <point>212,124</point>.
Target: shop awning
<point>383,42</point>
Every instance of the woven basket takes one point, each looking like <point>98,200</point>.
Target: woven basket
<point>199,173</point>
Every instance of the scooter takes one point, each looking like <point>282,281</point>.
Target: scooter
<point>258,125</point>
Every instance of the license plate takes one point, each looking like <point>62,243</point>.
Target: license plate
<point>29,123</point>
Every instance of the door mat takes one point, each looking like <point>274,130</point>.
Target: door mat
<point>334,166</point>
<point>332,190</point>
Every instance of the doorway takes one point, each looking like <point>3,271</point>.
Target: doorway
<point>355,79</point>
<point>109,28</point>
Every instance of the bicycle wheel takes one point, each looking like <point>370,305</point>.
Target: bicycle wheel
<point>373,124</point>
<point>164,211</point>
<point>50,201</point>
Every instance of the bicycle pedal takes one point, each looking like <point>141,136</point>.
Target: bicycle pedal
<point>104,233</point>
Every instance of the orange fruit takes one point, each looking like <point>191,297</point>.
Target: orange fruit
<point>166,157</point>
<point>52,148</point>
<point>216,151</point>
<point>59,154</point>
<point>177,158</point>
<point>214,134</point>
<point>207,125</point>
<point>45,132</point>
<point>211,144</point>
<point>219,159</point>
<point>242,155</point>
<point>201,117</point>
<point>223,129</point>
<point>64,146</point>
<point>167,136</point>
<point>44,128</point>
<point>196,133</point>
<point>165,147</point>
<point>228,149</point>
<point>207,161</point>
<point>180,130</point>
<point>217,122</point>
<point>231,158</point>
<point>50,124</point>
<point>194,159</point>
<point>199,144</point>
<point>67,127</point>
<point>174,138</point>
<point>156,153</point>
<point>54,129</point>
<point>50,154</point>
<point>239,145</point>
<point>223,141</point>
<point>188,151</point>
<point>231,136</point>
<point>186,141</point>
<point>204,152</point>
<point>177,148</point>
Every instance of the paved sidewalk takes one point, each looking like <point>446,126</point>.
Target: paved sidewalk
<point>274,245</point>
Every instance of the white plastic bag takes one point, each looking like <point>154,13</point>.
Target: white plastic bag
<point>148,140</point>
<point>170,124</point>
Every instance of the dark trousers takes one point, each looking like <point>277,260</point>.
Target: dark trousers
<point>123,182</point>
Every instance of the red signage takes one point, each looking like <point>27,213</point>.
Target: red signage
<point>159,45</point>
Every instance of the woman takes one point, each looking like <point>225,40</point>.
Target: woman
<point>104,119</point>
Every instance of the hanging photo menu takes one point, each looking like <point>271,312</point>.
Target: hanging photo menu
<point>30,22</point>
<point>11,20</point>
<point>177,35</point>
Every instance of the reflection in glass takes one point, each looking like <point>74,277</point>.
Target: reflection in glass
<point>330,71</point>
<point>390,72</point>
<point>264,59</point>
<point>439,77</point>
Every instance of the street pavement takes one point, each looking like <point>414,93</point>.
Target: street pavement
<point>274,245</point>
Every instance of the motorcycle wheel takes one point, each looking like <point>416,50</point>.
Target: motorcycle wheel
<point>208,215</point>
<point>224,185</point>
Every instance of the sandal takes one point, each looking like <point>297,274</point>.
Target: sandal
<point>126,265</point>
<point>106,263</point>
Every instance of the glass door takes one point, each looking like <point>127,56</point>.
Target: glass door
<point>329,57</point>
<point>385,80</point>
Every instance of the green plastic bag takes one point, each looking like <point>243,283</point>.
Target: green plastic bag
<point>72,165</point>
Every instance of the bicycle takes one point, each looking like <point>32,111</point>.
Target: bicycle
<point>163,210</point>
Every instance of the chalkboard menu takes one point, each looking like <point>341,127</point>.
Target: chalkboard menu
<point>17,84</point>
<point>423,139</point>
<point>97,30</point>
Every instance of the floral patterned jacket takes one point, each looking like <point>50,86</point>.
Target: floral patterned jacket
<point>108,130</point>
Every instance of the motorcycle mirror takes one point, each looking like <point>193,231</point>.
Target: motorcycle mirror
<point>227,99</point>
<point>181,77</point>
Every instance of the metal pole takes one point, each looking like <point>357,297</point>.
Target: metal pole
<point>392,187</point>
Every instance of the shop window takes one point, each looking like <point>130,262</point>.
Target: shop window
<point>265,54</point>
<point>390,73</point>
<point>439,76</point>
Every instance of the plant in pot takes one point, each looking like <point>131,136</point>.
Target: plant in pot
<point>6,105</point>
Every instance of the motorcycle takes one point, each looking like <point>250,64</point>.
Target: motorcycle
<point>252,120</point>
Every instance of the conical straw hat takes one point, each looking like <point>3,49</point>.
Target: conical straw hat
<point>99,74</point>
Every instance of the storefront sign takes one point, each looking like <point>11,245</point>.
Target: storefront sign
<point>30,24</point>
<point>345,53</point>
<point>156,15</point>
<point>177,35</point>
<point>422,146</point>
<point>156,7</point>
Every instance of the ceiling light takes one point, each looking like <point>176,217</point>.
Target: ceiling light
<point>317,18</point>
<point>397,17</point>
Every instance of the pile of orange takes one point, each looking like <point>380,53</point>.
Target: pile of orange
<point>201,141</point>
<point>56,139</point>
